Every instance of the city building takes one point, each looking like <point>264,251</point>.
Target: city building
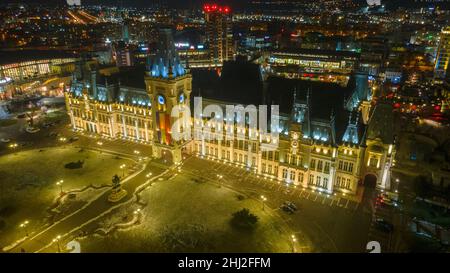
<point>30,64</point>
<point>321,65</point>
<point>323,142</point>
<point>123,54</point>
<point>443,55</point>
<point>219,33</point>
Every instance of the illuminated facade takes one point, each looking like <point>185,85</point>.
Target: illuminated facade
<point>320,147</point>
<point>219,33</point>
<point>28,69</point>
<point>322,65</point>
<point>443,55</point>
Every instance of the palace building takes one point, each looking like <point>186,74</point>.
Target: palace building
<point>330,137</point>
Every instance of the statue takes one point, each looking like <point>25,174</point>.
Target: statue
<point>117,192</point>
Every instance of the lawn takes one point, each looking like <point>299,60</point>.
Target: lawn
<point>186,216</point>
<point>7,122</point>
<point>28,183</point>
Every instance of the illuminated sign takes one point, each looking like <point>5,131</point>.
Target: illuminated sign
<point>5,80</point>
<point>73,2</point>
<point>208,8</point>
<point>182,45</point>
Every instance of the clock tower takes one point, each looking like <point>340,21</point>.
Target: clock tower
<point>168,85</point>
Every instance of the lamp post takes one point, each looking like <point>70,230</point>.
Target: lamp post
<point>60,183</point>
<point>122,167</point>
<point>24,226</point>
<point>263,200</point>
<point>14,146</point>
<point>293,240</point>
<point>219,176</point>
<point>56,240</point>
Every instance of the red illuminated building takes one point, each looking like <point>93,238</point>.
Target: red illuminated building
<point>219,32</point>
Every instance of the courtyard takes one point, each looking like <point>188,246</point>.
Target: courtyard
<point>184,214</point>
<point>28,184</point>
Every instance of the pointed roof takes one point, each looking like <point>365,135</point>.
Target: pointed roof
<point>166,62</point>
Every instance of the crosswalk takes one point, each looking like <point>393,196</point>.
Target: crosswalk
<point>233,175</point>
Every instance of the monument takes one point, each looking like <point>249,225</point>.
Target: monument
<point>117,192</point>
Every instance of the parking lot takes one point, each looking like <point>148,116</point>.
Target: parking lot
<point>237,175</point>
<point>333,223</point>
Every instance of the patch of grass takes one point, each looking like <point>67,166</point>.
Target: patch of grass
<point>191,217</point>
<point>7,122</point>
<point>28,183</point>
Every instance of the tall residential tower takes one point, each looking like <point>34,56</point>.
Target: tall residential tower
<point>219,32</point>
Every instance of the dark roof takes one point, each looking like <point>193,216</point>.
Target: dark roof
<point>8,57</point>
<point>324,97</point>
<point>240,82</point>
<point>381,124</point>
<point>127,76</point>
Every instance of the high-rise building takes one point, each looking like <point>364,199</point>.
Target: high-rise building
<point>125,32</point>
<point>443,55</point>
<point>124,54</point>
<point>219,32</point>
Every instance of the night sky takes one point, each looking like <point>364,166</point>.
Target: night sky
<point>235,4</point>
<point>135,3</point>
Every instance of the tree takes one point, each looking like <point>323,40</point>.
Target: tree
<point>244,219</point>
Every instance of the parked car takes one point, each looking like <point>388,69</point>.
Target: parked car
<point>5,140</point>
<point>384,225</point>
<point>287,209</point>
<point>291,205</point>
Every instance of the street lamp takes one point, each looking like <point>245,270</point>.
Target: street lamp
<point>13,146</point>
<point>263,200</point>
<point>293,240</point>
<point>56,240</point>
<point>24,226</point>
<point>122,167</point>
<point>60,183</point>
<point>219,176</point>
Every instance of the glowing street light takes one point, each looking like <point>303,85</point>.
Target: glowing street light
<point>122,167</point>
<point>60,183</point>
<point>13,146</point>
<point>293,240</point>
<point>24,226</point>
<point>56,240</point>
<point>219,176</point>
<point>137,211</point>
<point>263,200</point>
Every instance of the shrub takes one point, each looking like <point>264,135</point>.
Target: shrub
<point>74,165</point>
<point>243,219</point>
